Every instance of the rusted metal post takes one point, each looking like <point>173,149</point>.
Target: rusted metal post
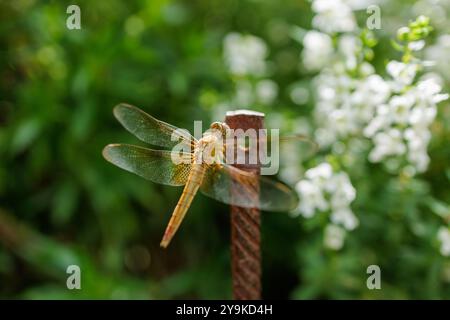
<point>245,222</point>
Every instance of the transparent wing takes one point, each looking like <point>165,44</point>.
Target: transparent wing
<point>236,187</point>
<point>149,129</point>
<point>298,138</point>
<point>304,145</point>
<point>155,165</point>
<point>281,155</point>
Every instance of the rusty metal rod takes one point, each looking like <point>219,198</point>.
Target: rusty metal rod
<point>245,223</point>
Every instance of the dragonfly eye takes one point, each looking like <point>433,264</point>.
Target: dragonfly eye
<point>222,127</point>
<point>216,125</point>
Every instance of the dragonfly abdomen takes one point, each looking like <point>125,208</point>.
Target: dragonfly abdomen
<point>190,189</point>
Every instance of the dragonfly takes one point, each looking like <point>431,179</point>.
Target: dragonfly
<point>215,179</point>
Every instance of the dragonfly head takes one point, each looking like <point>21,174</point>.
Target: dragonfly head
<point>220,126</point>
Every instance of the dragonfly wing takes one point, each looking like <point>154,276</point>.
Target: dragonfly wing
<point>304,145</point>
<point>236,187</point>
<point>160,166</point>
<point>151,130</point>
<point>267,144</point>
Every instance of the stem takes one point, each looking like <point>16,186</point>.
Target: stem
<point>245,223</point>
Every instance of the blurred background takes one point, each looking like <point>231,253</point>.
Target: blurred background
<point>61,203</point>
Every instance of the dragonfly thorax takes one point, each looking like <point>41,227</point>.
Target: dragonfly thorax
<point>210,148</point>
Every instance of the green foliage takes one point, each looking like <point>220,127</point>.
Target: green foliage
<point>417,30</point>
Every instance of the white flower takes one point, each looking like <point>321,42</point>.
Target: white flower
<point>311,198</point>
<point>429,90</point>
<point>318,49</point>
<point>321,173</point>
<point>381,121</point>
<point>403,74</point>
<point>341,189</point>
<point>326,92</point>
<point>376,88</point>
<point>322,189</point>
<point>266,91</point>
<point>395,113</point>
<point>245,54</point>
<point>366,69</point>
<point>416,45</point>
<point>345,217</point>
<point>422,116</point>
<point>417,139</point>
<point>344,121</point>
<point>348,46</point>
<point>324,137</point>
<point>414,111</point>
<point>334,237</point>
<point>333,16</point>
<point>420,159</point>
<point>401,106</point>
<point>346,105</point>
<point>443,236</point>
<point>387,143</point>
<point>369,93</point>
